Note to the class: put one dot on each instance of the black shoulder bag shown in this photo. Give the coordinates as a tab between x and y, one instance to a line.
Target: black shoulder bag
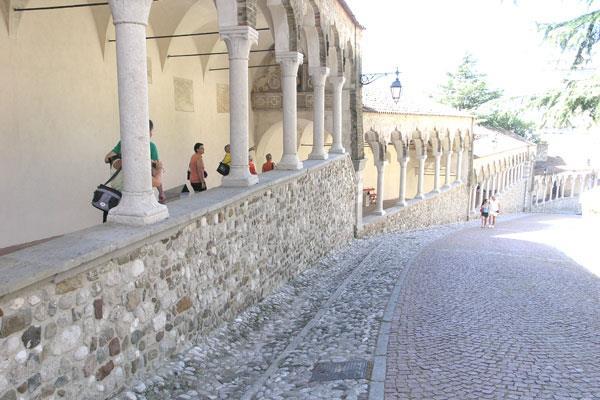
106	197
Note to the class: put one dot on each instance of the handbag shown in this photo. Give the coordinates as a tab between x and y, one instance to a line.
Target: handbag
223	169
105	197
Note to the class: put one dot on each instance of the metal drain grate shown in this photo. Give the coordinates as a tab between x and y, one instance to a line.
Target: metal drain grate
333	371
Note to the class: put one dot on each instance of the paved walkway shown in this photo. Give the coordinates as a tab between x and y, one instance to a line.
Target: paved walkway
500	314
454	312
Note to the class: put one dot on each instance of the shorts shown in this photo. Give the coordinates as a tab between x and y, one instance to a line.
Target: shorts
485	215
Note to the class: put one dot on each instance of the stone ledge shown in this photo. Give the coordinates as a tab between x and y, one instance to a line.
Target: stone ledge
391	211
75	252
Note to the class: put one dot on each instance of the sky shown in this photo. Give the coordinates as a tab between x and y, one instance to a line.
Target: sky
427	38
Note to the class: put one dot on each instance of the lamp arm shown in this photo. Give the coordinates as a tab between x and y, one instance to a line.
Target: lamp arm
366	79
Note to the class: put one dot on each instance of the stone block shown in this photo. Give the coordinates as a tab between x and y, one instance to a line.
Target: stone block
104	370
183	304
31	337
69	285
114	347
15	322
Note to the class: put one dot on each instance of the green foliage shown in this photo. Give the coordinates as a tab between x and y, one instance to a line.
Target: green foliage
580	34
509	121
565	106
466	88
578	98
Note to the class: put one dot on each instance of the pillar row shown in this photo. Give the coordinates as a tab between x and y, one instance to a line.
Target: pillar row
380	165
436	175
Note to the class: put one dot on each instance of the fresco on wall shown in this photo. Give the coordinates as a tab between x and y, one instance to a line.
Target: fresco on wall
222	98
184	94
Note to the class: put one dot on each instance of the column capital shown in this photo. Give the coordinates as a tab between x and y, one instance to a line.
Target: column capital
422	157
446	152
130	11
437	154
289	61
318	75
337	80
239	40
403	160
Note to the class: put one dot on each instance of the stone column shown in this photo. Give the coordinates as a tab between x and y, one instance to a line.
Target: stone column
380	165
138	204
581	184
572	187
318	77
544	190
421	181
459	155
473	199
402	195
239	40
486	194
561	192
289	62
338	84
448	169
436	176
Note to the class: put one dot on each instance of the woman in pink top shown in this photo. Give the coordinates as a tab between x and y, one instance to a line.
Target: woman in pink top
196	168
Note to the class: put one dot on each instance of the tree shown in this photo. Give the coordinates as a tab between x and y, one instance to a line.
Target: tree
509	121
581	34
466	88
577	99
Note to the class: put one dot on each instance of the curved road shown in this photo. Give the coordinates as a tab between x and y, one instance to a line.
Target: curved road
505	313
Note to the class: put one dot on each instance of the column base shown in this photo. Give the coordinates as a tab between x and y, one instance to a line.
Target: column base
437	190
290	162
420	197
379	212
239	181
318	156
337	150
401	203
138	209
445	187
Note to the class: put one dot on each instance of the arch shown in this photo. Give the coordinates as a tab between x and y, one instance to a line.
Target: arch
335	59
283	23
315	39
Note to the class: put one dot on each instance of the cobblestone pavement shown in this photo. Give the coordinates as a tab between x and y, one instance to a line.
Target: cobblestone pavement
500	314
330	313
453	312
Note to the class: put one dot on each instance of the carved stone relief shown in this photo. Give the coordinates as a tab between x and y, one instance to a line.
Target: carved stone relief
184	94
222	98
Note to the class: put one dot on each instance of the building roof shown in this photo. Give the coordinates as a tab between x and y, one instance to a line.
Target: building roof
350	14
492	141
377	98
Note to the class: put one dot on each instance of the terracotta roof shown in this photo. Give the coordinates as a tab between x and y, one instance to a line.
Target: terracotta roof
377	98
491	141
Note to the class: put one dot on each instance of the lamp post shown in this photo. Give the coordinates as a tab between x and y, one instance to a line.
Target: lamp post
395	87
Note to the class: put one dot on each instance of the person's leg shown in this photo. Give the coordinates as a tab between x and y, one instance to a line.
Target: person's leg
104	216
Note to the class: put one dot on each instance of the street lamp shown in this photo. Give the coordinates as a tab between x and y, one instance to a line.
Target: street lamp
395	88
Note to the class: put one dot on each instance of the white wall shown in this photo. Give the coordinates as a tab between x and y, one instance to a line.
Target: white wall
59	117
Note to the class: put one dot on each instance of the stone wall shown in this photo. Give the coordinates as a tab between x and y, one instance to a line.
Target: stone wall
443	208
513	199
85	333
566	205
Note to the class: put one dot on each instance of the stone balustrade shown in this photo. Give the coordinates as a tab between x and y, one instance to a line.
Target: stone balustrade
88	312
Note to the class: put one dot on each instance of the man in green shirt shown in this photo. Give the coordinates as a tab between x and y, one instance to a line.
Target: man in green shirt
156	166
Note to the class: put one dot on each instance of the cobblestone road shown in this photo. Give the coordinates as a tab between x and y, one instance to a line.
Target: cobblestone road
454	312
500	314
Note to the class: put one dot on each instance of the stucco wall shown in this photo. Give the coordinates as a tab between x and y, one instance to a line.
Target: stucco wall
446	207
61	114
94	327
